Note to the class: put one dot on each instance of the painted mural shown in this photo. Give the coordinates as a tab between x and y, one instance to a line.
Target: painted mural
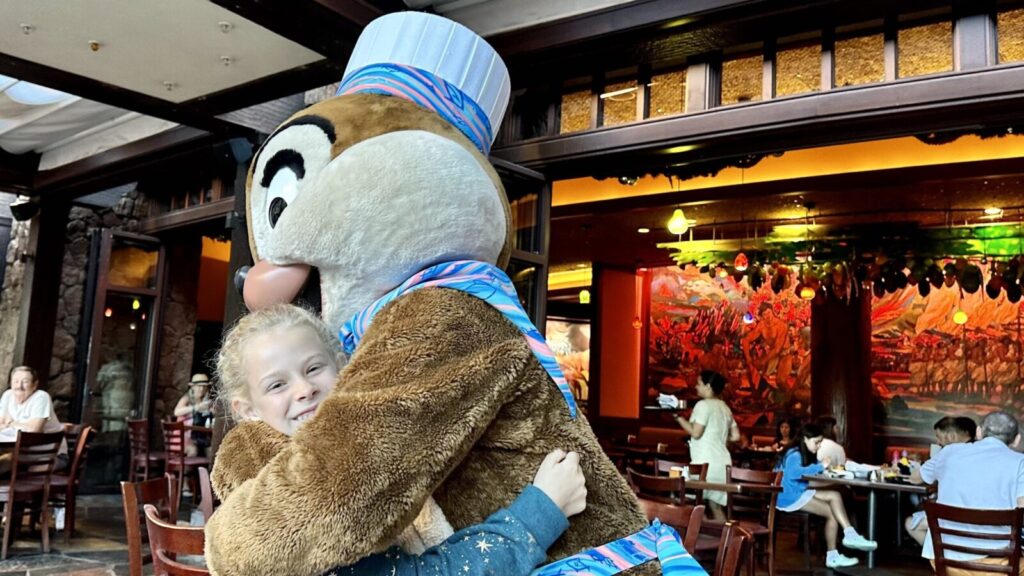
927	365
757	339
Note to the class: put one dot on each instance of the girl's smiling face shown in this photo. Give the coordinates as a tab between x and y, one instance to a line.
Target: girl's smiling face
289	371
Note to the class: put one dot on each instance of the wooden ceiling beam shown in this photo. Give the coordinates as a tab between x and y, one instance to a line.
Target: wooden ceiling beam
102	92
119	165
17	171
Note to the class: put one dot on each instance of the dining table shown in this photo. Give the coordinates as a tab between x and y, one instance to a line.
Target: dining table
873	488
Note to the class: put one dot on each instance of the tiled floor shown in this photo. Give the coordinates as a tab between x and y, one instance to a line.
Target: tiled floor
99	549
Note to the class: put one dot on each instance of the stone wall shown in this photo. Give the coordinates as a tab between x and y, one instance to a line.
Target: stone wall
177	340
81	222
10	297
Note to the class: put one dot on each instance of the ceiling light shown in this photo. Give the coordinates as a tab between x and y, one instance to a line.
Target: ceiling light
618	92
643	230
678	224
584	296
994	211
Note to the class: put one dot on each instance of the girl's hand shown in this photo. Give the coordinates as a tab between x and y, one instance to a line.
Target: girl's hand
826	462
561	479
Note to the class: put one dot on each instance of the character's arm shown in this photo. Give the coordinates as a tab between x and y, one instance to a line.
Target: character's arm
511	542
428	378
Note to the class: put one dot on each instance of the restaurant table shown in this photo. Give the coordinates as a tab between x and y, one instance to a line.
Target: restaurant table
872	488
764	459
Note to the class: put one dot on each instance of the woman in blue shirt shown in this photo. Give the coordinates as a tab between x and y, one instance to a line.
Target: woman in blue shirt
799	461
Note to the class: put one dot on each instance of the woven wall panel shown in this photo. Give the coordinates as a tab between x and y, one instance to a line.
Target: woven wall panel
798	70
925	49
620	109
860	60
667	94
575	112
1010	34
741	79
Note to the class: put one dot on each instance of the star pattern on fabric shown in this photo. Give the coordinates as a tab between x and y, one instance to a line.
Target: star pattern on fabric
483	545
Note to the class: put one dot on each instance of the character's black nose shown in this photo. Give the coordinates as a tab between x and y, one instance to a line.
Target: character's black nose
240	275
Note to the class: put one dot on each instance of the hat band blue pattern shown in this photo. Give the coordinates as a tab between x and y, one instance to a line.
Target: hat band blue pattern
427	90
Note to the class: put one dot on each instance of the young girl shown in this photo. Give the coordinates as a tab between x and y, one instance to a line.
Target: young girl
278	364
801	460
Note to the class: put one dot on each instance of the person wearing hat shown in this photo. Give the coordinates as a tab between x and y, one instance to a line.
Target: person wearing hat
195	408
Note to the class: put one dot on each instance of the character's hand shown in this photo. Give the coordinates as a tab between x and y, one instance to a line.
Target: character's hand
561	479
826	462
668	401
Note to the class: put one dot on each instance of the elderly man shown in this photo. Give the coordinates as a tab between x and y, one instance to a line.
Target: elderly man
999	487
948	430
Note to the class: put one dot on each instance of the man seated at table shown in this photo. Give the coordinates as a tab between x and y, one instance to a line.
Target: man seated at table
983	475
948	430
25	407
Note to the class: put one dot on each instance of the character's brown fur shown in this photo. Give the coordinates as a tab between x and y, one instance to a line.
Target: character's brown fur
442	397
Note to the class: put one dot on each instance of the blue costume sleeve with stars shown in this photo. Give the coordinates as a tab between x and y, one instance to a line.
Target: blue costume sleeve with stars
511	542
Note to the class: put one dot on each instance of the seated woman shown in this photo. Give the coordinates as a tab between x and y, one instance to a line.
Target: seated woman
278	364
195	408
784	432
799	461
830	449
25	407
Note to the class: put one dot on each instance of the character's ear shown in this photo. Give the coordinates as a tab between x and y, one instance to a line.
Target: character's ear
244	409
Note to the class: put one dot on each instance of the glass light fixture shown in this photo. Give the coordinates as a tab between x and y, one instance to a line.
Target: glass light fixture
807	293
741	262
960	317
584	296
108	312
136	304
637	323
748	318
678	224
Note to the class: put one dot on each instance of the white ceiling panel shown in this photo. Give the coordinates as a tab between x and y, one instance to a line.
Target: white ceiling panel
174	50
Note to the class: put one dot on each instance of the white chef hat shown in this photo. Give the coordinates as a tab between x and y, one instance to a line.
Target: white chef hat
436	63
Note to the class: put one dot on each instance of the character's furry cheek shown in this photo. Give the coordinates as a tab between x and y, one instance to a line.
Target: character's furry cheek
289	160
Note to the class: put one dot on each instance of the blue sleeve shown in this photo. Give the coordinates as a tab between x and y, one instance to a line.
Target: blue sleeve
792	467
511	542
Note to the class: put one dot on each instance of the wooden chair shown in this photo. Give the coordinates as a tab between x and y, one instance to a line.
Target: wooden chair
207	503
755	511
177	463
31	467
64	485
1011	551
142	457
732	549
159	492
694	472
167	541
657	488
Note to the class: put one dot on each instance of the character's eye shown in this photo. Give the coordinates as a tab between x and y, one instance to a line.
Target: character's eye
282	190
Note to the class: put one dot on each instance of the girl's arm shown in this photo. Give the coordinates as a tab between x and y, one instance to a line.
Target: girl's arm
793	468
511	542
184	407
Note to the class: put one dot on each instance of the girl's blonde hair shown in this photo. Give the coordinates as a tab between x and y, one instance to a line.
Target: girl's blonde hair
231	375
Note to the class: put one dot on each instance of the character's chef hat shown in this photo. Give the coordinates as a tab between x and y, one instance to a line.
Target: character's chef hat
436	63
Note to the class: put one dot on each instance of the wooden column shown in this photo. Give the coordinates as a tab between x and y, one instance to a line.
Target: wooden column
241	255
41	288
841	369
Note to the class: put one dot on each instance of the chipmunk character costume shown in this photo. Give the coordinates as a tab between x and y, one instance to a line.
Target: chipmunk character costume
449	392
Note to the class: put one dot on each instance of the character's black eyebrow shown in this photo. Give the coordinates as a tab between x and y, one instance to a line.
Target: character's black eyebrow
312	119
283	158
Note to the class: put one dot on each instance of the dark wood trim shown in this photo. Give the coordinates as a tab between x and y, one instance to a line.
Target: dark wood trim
17	171
849	181
41	288
614	20
93	89
912	106
268	88
120	164
187	216
329	27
